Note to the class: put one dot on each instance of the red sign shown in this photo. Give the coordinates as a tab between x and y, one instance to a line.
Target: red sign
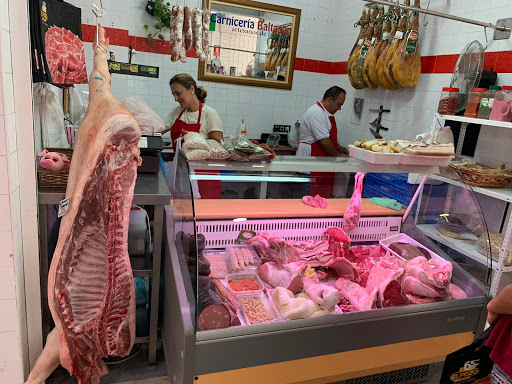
216	50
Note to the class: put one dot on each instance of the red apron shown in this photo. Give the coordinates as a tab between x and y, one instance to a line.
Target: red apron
209	189
324	182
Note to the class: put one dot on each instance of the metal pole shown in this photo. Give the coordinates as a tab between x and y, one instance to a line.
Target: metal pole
438	14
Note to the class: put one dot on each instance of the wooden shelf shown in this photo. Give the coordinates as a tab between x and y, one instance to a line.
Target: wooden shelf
281	208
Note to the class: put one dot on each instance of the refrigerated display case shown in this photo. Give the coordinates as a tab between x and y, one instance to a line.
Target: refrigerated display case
352	339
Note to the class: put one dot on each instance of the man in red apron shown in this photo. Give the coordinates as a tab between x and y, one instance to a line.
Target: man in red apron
319	137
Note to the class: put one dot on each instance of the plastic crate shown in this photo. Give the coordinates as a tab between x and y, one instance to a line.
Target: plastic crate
401	193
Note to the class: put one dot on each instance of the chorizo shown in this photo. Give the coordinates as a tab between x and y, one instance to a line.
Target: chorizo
206	32
187	28
197	33
172	40
177	25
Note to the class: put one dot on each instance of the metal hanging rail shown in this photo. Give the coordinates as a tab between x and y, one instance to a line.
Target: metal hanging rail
443	15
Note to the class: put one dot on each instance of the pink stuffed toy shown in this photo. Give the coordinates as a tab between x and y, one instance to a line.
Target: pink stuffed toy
53	160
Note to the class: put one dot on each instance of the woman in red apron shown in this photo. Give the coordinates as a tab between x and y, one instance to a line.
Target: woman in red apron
191	99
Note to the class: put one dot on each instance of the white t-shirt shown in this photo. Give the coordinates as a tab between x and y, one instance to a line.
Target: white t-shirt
315	125
210	120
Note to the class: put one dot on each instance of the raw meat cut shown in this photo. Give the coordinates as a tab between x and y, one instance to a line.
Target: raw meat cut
315	202
277	276
381	61
370	62
371	56
296	307
358	296
418	288
436	274
65	56
339	242
322	294
393	296
345	305
341	267
321	259
405	66
399	36
380	278
456	292
309	248
90	286
413	299
353	212
271	248
409	251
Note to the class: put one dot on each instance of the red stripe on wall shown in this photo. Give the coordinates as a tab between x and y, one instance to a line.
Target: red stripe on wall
498	61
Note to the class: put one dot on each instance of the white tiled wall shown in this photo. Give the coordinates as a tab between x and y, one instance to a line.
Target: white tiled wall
412	110
12	296
259	107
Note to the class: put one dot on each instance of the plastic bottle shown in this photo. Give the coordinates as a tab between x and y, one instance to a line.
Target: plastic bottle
474	102
501	107
243	128
487	102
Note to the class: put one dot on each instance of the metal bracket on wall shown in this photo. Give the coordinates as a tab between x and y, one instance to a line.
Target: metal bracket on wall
503	35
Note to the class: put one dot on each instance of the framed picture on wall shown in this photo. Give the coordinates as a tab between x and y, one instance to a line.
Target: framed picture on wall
252	40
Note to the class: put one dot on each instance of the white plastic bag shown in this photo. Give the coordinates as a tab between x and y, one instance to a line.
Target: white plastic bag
148	120
77	105
217	151
194	140
52	118
441	135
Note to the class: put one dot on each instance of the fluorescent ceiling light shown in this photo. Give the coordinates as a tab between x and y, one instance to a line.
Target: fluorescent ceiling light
251	178
240	219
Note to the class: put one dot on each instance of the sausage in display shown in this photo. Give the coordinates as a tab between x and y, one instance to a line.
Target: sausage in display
187	28
176	32
206	32
197	33
215	316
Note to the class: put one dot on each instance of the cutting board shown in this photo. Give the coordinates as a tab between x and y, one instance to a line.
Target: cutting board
281	208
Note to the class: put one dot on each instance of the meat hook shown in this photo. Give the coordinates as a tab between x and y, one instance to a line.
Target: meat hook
425	17
98	12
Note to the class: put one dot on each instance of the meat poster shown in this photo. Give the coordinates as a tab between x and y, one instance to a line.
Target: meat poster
57	49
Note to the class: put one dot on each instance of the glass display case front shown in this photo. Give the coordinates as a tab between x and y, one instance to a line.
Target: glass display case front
372	259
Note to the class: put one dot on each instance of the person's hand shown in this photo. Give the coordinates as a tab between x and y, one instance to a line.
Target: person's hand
492	317
343	151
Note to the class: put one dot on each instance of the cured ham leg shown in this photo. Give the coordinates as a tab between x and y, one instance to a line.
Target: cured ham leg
355	70
381	62
399	36
90	286
356	49
370	62
371	56
406	63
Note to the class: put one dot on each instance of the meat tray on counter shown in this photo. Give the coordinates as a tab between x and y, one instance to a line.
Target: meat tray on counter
289	280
